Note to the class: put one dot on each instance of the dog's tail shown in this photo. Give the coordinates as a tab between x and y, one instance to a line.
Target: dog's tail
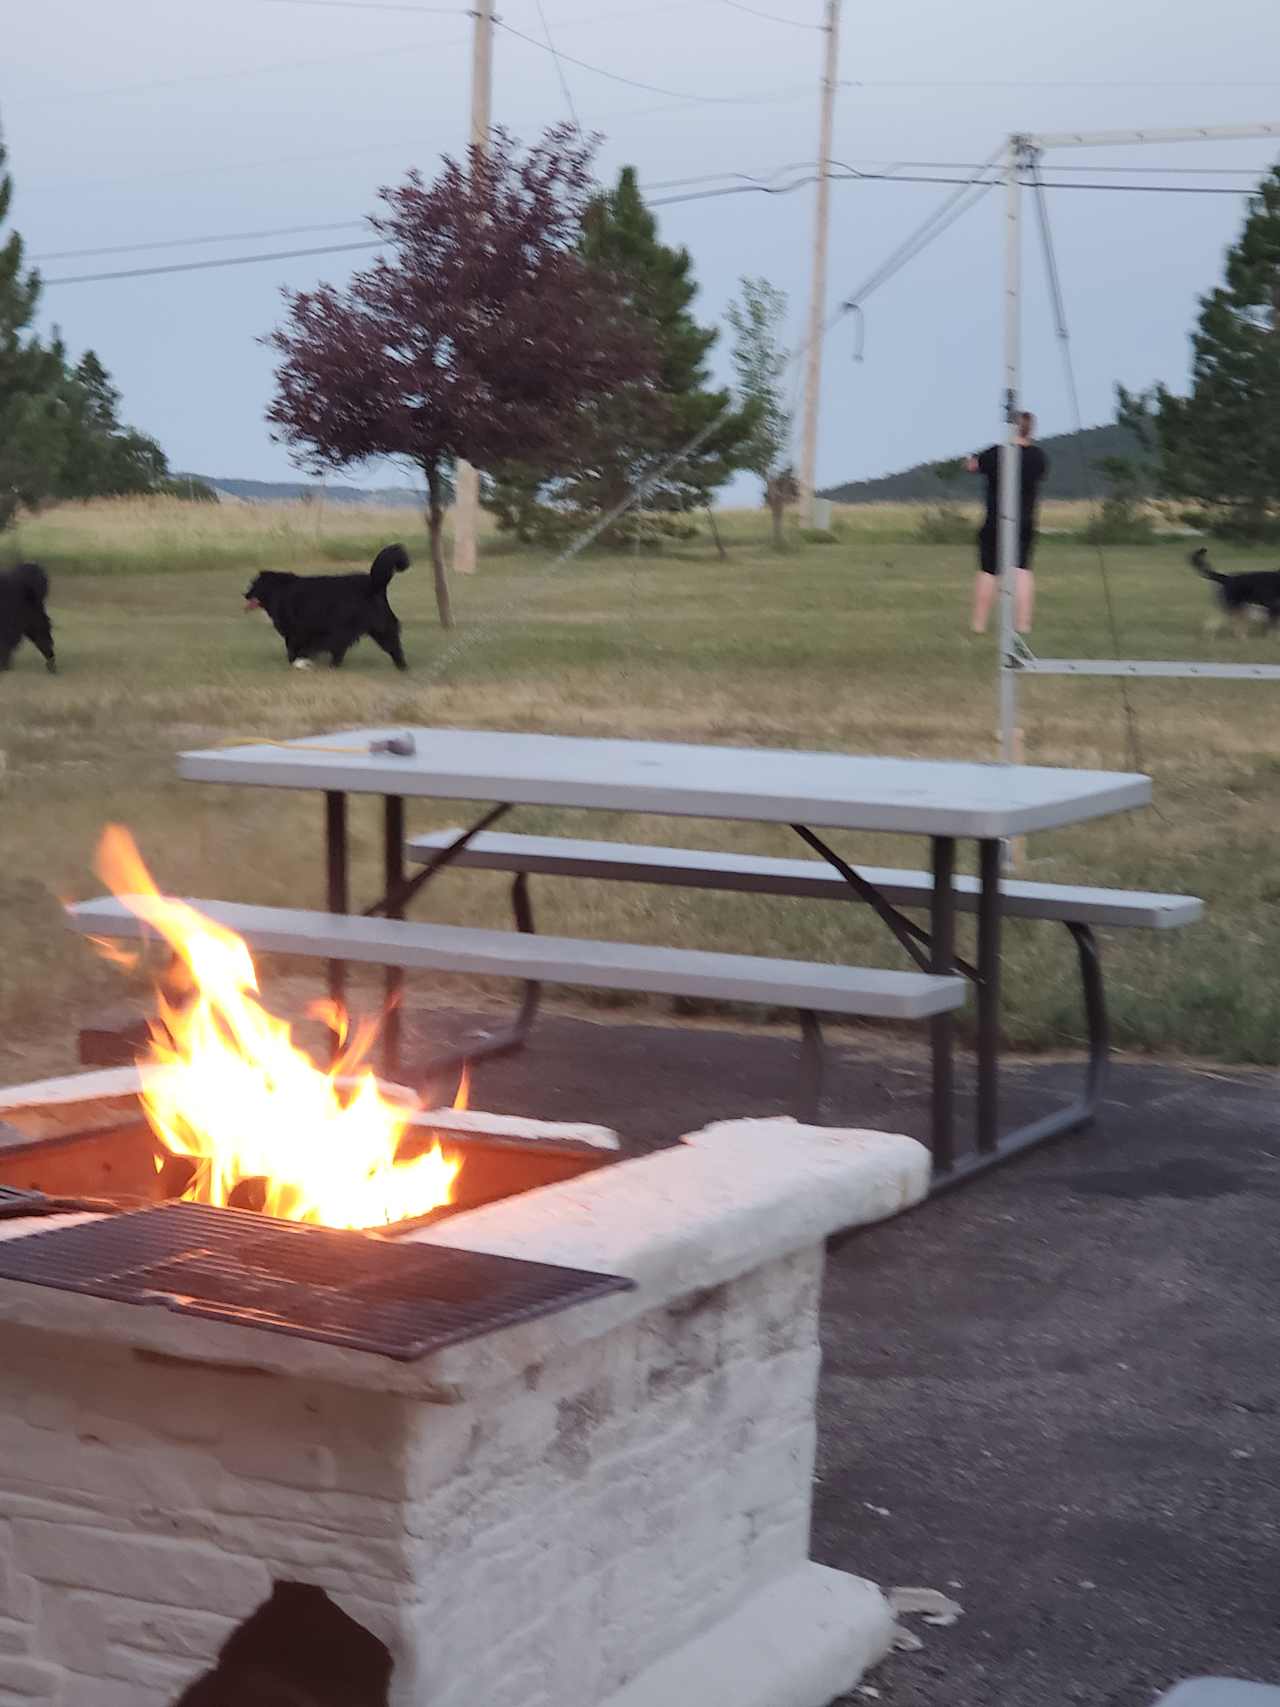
1200	563
32	581
391	560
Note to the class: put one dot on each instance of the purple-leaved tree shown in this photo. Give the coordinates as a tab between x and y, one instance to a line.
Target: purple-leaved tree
480	335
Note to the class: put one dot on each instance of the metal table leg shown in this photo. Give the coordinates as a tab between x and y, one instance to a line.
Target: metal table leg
1082	1110
813	1062
988	981
338	892
509	1038
393	877
942	935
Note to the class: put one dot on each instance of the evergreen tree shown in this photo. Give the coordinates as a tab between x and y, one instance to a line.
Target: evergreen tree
1219	447
31	414
60	431
103	458
626	436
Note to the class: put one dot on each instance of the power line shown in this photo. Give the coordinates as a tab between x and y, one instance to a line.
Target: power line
635	83
564	81
242	71
376	6
772	189
190	242
659	201
773	17
969	191
351	224
1132	171
225	261
1023	83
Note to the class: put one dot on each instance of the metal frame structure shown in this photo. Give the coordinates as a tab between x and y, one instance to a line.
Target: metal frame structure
1015	657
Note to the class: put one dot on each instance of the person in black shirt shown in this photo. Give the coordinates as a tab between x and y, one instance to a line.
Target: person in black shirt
1035	465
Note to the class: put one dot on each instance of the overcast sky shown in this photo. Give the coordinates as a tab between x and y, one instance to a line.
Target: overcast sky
145	121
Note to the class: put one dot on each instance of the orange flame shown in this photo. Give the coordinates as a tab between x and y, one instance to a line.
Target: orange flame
225	1083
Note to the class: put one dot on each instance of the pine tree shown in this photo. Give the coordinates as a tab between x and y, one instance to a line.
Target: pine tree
627	436
102	457
32	421
1219	447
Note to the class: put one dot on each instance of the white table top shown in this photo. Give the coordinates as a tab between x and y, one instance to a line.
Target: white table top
754	785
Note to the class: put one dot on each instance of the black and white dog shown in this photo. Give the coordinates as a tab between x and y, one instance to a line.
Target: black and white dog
1238	595
324	615
23	616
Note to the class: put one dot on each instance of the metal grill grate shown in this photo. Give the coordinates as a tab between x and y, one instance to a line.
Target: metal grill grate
344	1289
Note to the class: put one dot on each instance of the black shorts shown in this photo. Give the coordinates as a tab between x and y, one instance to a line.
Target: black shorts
989	547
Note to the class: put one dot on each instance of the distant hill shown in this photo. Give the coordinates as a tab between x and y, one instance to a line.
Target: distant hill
1071	473
292	492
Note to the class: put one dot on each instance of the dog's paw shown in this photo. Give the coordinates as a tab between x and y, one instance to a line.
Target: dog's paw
302	663
51	667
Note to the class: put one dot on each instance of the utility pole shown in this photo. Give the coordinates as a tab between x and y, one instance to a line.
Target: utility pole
821	227
466	497
1010	473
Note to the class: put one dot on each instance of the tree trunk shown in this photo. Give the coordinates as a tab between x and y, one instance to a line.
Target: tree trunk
715	534
435	528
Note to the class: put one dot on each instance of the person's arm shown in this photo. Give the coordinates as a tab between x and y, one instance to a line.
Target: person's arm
987	462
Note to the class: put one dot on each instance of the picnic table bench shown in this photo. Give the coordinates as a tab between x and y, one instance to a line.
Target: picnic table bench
809	989
1080	908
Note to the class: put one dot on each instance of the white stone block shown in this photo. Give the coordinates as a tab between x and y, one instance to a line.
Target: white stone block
27	1680
81	1691
801	1642
171	1573
72	1629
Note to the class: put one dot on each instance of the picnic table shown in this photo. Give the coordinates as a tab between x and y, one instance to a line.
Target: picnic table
814	793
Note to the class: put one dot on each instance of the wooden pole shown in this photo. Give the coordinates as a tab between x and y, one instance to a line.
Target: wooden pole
818	286
466	496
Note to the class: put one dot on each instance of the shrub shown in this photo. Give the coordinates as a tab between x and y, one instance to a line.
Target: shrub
1118	522
944	524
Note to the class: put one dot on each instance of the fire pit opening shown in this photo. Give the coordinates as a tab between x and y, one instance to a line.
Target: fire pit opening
297	1650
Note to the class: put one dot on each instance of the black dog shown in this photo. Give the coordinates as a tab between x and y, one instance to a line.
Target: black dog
22	614
1255	589
320	614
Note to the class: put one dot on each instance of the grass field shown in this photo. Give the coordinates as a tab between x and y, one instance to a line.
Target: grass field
859	646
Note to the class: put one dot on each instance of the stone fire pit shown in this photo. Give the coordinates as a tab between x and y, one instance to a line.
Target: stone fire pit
608	1507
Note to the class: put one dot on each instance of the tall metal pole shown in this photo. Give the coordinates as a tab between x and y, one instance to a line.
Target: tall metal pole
1010	451
466	500
818	291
